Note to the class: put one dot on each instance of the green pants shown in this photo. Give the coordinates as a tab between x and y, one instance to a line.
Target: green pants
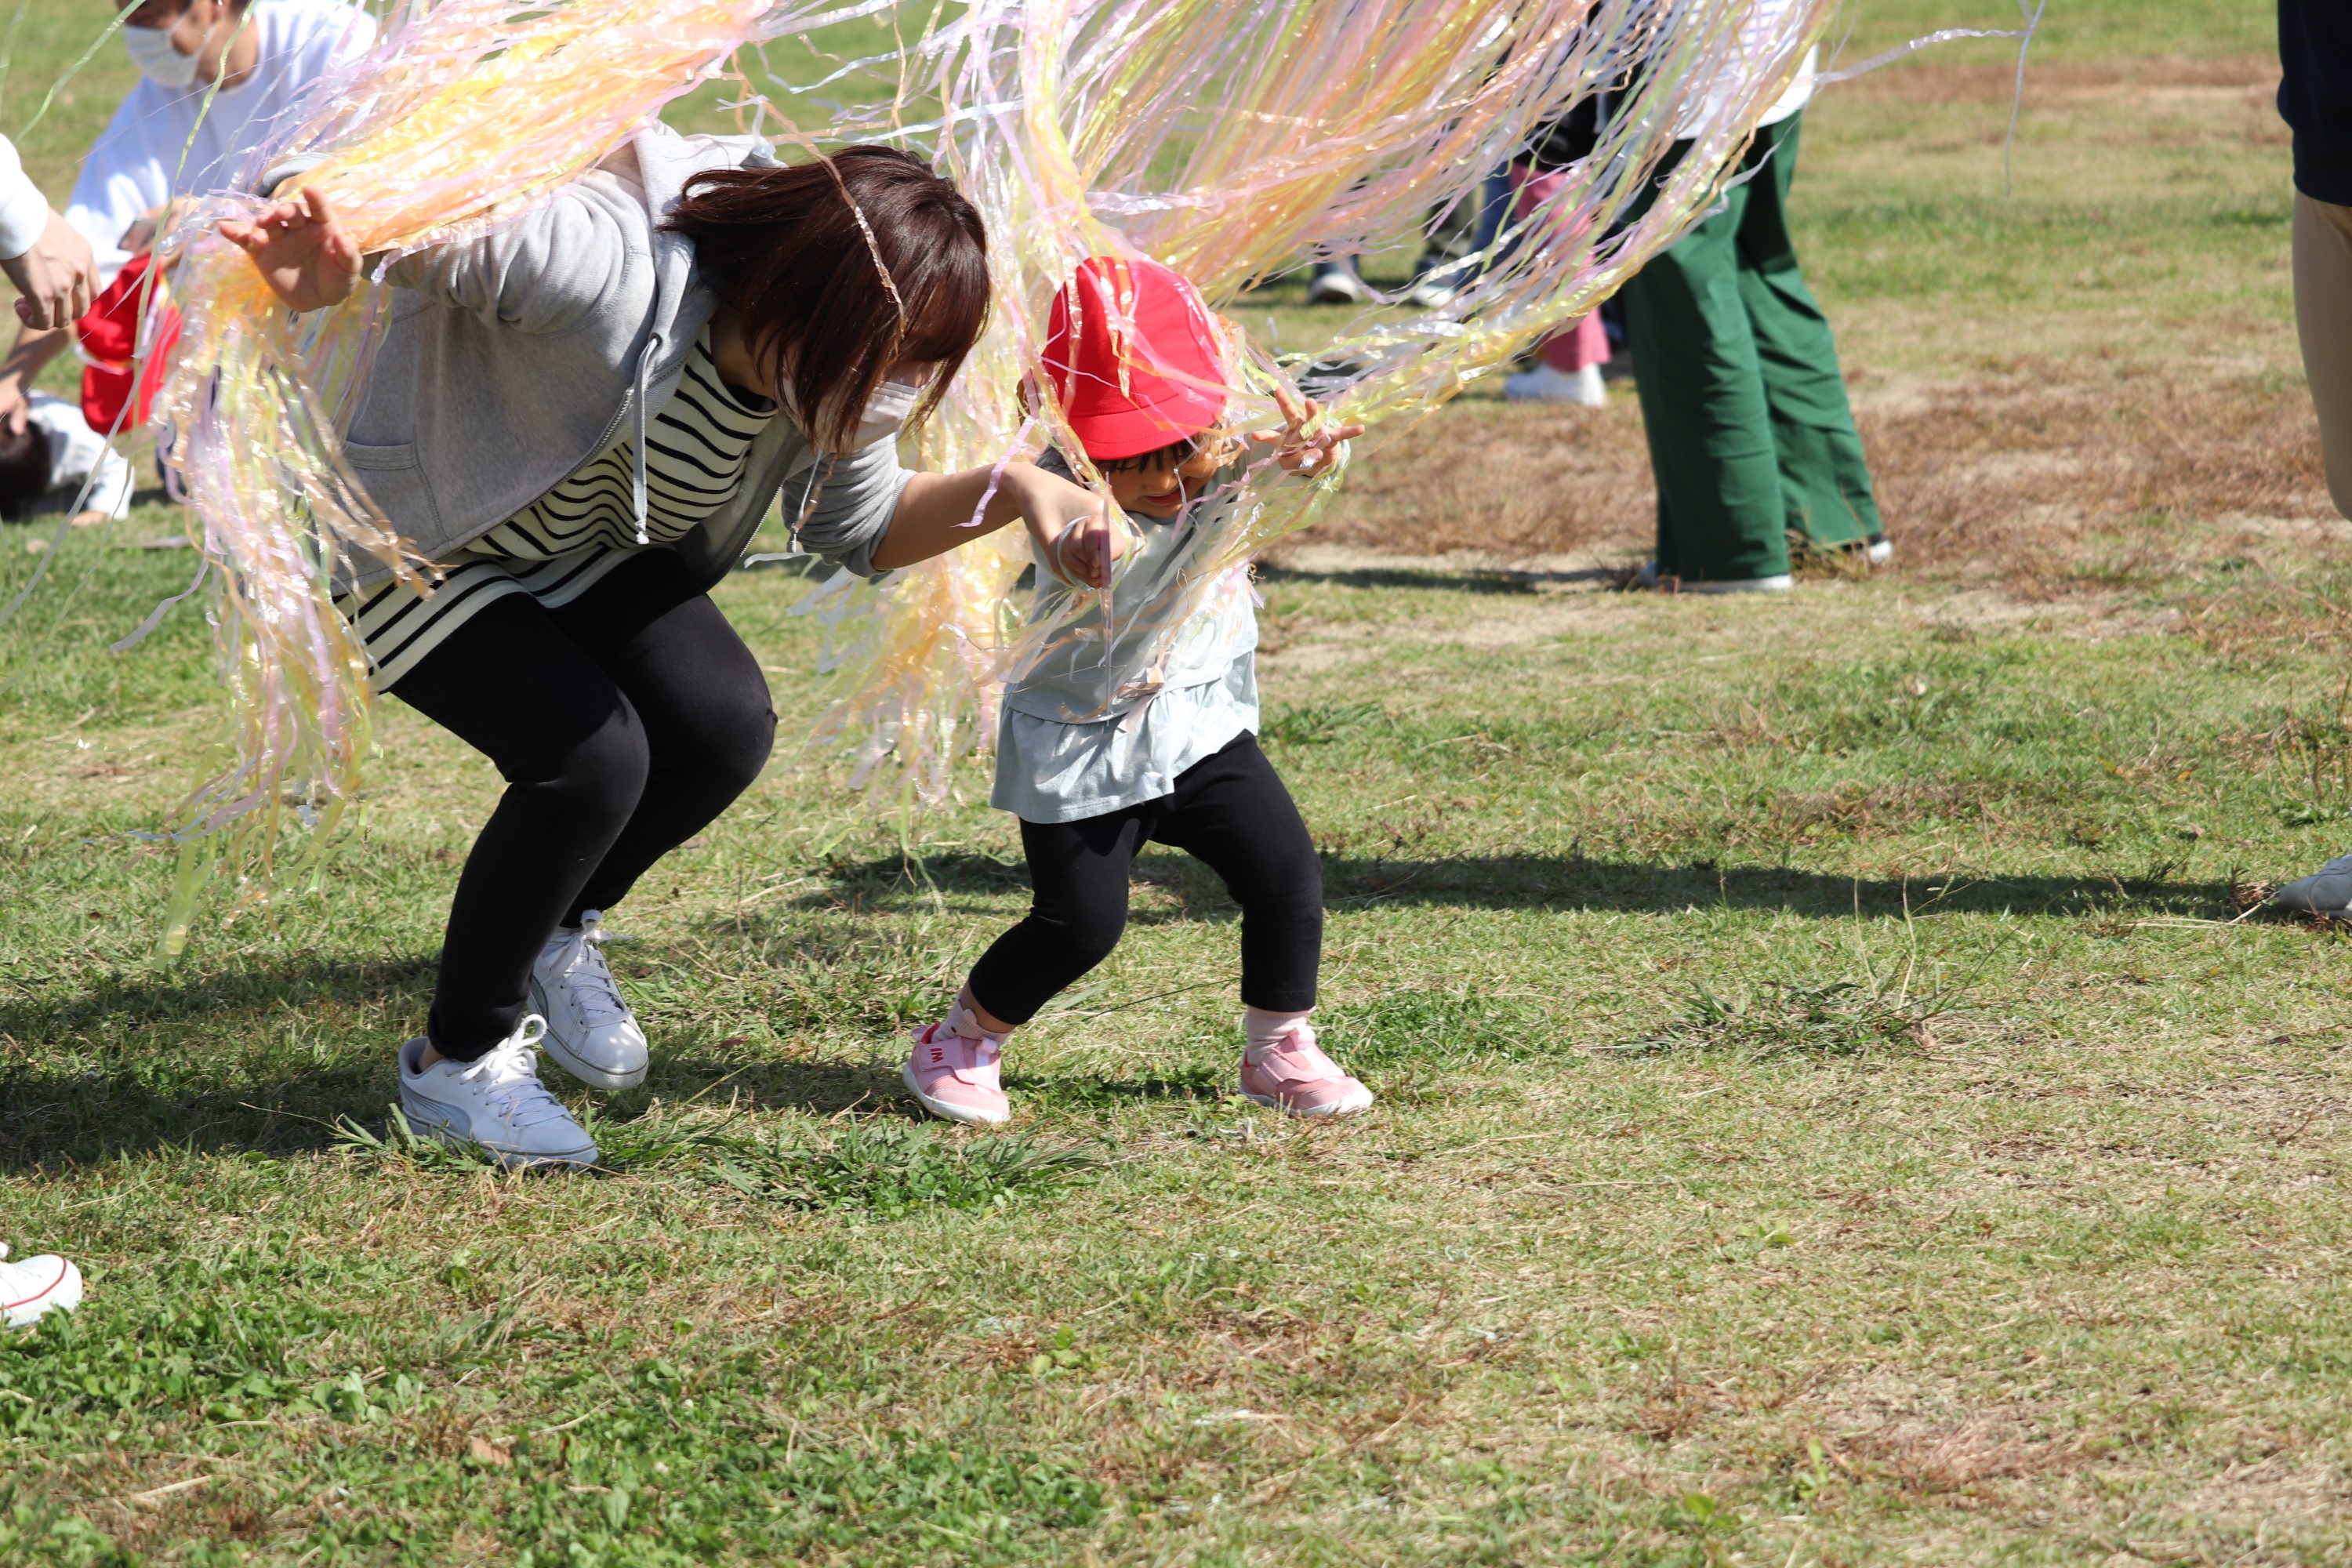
1751	438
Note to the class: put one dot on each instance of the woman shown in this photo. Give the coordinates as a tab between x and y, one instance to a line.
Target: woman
582	419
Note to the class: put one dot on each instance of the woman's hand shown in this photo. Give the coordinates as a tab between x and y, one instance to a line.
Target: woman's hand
1294	449
301	250
1070	523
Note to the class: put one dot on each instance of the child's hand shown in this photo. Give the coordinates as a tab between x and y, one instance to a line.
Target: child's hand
1070	523
301	250
1296	451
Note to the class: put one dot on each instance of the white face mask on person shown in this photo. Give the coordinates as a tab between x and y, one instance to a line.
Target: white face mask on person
887	410
152	51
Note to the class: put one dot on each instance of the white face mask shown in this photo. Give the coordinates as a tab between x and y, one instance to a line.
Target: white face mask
152	51
885	411
892	402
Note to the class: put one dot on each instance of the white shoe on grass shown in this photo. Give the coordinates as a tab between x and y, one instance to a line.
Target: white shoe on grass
497	1102
591	1033
2326	892
36	1286
1336	283
1649	576
1546	384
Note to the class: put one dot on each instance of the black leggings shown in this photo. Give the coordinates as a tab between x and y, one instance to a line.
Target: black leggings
1229	810
623	723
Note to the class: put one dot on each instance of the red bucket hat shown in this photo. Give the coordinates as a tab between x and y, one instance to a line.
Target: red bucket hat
1144	369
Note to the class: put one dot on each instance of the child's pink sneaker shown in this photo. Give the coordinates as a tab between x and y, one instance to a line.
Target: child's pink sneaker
1293	1075
958	1076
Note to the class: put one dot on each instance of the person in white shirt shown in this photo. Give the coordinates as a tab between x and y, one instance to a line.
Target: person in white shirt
56	459
218	79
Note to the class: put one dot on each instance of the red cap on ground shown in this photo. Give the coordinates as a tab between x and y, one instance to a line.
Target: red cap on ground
1144	369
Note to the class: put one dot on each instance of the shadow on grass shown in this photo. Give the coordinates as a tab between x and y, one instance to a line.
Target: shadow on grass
1476	580
1567	883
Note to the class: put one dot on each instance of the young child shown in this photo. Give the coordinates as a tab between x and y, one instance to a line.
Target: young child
1094	774
43	466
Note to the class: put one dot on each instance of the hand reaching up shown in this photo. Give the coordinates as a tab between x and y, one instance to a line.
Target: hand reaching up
1294	449
301	250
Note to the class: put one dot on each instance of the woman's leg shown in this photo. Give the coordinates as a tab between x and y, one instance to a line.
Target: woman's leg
1077	909
697	690
1232	811
511	684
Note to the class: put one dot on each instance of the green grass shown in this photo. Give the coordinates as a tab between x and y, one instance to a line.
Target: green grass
1830	1111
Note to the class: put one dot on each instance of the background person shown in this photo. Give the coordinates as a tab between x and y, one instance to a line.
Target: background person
620	386
2316	99
1752	434
175	135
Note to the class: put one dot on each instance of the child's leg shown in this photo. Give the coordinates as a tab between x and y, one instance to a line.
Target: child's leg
1232	811
1077	909
1077	875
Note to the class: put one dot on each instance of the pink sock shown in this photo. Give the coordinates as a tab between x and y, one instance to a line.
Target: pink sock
961	1022
1266	1030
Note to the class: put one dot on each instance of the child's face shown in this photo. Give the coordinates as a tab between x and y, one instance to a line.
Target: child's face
1166	488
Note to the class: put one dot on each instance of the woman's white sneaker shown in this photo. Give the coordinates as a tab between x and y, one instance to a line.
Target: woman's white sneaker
496	1101
36	1286
591	1033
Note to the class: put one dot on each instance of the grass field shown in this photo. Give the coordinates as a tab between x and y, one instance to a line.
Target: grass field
1832	1111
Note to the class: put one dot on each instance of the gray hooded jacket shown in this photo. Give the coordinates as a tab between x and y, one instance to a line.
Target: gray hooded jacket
512	360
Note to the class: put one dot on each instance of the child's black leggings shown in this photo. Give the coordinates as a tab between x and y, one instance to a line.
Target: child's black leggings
1231	811
623	723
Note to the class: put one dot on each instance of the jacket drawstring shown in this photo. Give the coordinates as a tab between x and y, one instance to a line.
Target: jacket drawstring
637	477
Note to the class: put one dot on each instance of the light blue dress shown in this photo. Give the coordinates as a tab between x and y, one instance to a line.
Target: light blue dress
1082	734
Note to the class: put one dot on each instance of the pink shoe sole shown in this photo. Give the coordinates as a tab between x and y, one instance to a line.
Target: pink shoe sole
1355	1099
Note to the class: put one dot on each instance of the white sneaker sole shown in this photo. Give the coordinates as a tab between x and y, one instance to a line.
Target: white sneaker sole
447	1125
946	1112
1361	1100
61	1294
561	1053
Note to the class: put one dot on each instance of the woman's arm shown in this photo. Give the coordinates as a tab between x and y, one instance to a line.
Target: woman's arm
542	274
1070	523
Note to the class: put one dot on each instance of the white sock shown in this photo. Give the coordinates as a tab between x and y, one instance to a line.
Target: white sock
961	1022
1266	1030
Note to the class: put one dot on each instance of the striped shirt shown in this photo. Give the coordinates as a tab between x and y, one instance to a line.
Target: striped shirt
564	543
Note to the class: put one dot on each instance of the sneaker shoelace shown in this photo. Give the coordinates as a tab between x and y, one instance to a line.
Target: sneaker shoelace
510	1076
582	965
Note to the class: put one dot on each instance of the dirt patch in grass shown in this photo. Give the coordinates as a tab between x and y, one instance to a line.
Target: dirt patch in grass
2043	480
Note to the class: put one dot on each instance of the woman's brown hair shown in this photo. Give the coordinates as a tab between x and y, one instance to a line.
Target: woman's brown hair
842	268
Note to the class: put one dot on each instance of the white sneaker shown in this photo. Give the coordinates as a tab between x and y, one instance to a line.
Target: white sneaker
591	1033
1546	384
37	1285
2326	892
1336	283
497	1102
1431	295
1880	551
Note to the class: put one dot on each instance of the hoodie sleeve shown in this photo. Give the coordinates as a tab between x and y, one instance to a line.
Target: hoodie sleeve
841	508
546	273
